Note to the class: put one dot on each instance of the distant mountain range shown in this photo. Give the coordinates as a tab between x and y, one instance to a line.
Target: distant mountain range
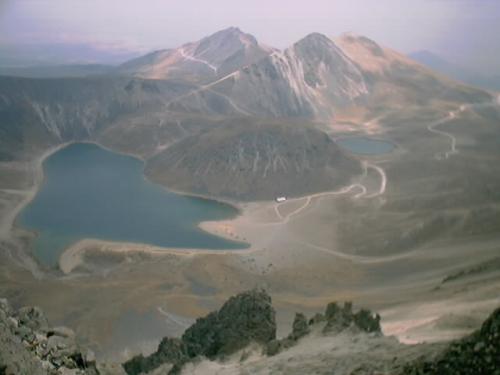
313	78
50	54
233	49
58	71
257	115
437	63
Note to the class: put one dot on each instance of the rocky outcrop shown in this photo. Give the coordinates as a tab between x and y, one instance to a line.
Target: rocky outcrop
335	320
340	340
339	318
170	351
245	318
28	345
478	353
300	328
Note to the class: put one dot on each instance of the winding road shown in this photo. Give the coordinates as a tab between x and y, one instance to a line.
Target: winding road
285	219
195	59
208	87
362	194
359	258
383	184
383	180
453	115
383	177
432	128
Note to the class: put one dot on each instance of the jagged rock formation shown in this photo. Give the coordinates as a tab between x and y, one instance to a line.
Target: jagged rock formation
29	346
338	318
340	340
171	351
478	353
300	328
245	318
335	320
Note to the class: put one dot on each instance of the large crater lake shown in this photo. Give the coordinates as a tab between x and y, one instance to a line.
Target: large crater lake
89	192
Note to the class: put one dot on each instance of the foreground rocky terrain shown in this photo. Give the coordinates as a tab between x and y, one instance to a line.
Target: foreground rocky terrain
240	338
478	353
28	345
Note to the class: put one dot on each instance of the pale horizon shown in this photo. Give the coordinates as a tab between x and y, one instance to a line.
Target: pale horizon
459	30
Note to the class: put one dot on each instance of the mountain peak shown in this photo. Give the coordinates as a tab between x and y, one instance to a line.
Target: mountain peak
214	56
231	34
315	38
232	29
317	44
363	41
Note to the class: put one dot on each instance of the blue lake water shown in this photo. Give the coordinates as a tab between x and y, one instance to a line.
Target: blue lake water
89	192
365	146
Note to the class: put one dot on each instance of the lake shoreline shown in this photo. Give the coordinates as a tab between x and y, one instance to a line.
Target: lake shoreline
233	229
39	178
235	204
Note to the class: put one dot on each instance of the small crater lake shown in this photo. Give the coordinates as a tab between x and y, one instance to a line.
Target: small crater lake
365	146
89	192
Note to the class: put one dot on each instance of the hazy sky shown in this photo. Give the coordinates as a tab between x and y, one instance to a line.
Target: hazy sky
465	30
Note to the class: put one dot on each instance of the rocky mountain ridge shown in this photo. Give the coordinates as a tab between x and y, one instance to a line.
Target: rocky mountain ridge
208	59
317	77
228	84
312	78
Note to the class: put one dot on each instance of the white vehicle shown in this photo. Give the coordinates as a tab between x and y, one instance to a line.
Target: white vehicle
280	199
